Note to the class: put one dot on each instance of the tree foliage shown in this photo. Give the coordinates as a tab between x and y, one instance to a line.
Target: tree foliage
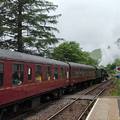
87	59
27	23
71	52
96	55
111	67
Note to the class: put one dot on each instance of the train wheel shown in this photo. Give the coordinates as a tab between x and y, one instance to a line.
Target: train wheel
60	93
3	114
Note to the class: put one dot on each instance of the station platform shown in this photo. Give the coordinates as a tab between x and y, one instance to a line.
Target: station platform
107	108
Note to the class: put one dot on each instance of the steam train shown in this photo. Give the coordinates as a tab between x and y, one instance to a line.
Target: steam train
25	79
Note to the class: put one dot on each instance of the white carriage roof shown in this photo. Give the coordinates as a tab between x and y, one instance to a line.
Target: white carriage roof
8	54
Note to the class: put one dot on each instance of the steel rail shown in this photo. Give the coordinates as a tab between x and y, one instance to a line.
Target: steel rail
92	102
87	108
57	113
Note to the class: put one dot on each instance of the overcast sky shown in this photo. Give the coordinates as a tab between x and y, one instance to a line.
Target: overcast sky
92	23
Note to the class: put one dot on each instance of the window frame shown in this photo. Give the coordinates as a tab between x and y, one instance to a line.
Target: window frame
56	66
62	74
3	81
31	73
41	73
17	63
49	71
48	77
26	66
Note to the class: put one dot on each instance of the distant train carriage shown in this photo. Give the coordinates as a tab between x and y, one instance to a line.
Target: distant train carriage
80	73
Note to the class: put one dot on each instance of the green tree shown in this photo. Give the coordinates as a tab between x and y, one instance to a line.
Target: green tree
71	52
96	55
27	23
67	51
117	62
87	59
111	67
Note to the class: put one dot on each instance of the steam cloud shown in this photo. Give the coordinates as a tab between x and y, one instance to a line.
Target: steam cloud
110	53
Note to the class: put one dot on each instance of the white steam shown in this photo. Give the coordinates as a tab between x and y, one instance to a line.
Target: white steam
110	53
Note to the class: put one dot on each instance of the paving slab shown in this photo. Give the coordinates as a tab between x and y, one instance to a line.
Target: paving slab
107	108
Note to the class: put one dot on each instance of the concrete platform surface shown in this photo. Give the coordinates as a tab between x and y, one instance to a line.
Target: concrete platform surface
105	109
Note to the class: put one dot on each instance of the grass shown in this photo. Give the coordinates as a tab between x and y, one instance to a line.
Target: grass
116	89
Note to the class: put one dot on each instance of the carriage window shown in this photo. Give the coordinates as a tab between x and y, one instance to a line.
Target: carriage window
67	74
18	74
48	73
56	73
38	73
1	74
29	73
62	72
73	73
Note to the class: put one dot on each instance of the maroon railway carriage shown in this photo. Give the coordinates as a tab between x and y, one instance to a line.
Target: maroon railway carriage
81	73
23	76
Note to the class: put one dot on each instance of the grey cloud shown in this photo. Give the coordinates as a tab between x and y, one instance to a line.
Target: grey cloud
92	23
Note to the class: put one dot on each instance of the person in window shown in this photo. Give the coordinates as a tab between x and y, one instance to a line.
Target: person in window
16	79
48	76
38	77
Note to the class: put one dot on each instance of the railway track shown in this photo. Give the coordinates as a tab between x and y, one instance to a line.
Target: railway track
88	108
78	104
60	109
